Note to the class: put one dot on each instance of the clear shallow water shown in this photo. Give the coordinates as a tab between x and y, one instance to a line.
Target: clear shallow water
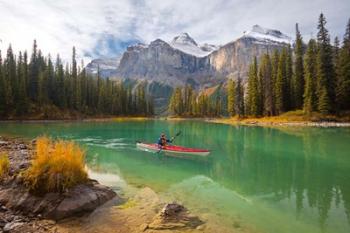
274	180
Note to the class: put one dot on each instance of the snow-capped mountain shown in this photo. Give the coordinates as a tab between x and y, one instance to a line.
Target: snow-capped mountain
267	35
187	44
108	66
184	59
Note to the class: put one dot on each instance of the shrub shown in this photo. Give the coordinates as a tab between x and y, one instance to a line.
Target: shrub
57	166
4	165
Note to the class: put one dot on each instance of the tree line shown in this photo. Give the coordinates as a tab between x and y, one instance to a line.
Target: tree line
314	78
186	102
33	85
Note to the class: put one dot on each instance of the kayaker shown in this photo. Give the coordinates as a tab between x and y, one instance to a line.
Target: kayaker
162	141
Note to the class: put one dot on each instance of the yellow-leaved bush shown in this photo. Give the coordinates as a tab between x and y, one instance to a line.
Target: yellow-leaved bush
57	166
4	165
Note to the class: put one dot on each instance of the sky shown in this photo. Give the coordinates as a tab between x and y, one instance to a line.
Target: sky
104	28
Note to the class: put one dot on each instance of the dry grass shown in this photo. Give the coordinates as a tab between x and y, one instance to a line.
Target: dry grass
297	116
131	118
4	165
57	166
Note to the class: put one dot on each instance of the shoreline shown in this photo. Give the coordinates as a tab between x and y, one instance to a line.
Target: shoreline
267	123
264	121
102	119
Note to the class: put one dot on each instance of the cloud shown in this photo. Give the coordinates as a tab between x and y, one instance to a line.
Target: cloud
101	28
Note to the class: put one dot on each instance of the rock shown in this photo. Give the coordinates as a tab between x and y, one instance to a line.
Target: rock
171	210
12	226
144	227
3	208
22	146
3	143
82	199
174	216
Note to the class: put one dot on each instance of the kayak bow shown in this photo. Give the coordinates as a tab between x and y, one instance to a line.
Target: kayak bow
172	149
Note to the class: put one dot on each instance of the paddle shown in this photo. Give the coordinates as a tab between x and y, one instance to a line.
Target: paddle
173	138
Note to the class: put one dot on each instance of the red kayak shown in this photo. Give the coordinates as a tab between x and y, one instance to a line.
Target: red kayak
173	149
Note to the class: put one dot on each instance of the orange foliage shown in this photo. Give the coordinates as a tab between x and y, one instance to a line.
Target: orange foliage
57	166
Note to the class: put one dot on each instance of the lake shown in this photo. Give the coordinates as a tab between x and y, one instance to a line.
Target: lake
289	179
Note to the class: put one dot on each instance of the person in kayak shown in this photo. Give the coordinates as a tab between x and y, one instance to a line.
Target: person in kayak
162	141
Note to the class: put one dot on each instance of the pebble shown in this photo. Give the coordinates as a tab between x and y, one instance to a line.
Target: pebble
11	226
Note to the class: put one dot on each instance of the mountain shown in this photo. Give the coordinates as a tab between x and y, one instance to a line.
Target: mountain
160	61
183	61
108	66
188	45
266	35
234	57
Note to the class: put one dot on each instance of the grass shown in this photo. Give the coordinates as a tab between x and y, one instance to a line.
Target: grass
56	167
297	116
4	165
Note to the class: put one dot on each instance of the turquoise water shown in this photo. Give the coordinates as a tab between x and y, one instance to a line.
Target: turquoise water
274	180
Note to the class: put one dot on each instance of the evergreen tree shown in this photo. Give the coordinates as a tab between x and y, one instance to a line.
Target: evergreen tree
33	73
274	71
298	81
265	73
74	82
176	102
343	80
231	97
21	105
2	90
288	92
310	99
239	98
253	92
280	83
325	69
188	92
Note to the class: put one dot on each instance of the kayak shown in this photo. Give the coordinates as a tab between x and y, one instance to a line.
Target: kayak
172	149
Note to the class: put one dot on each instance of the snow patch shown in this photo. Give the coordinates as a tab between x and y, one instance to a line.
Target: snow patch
267	35
188	45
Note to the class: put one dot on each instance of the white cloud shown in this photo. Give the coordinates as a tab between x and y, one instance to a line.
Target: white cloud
58	25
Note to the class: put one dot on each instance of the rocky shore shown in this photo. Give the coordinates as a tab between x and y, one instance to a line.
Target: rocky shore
22	211
76	210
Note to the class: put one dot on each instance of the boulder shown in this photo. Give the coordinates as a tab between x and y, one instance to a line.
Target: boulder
81	199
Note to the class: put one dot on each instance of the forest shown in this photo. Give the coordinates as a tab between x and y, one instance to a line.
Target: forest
312	77
38	86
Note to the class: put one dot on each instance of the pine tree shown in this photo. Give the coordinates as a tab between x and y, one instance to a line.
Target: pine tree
21	105
59	98
74	81
325	69
176	102
280	83
2	90
289	101
231	97
298	80
274	71
188	92
239	98
253	92
265	73
343	80
33	73
310	100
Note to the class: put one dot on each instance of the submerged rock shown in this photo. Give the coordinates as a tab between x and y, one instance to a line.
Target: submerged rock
174	216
